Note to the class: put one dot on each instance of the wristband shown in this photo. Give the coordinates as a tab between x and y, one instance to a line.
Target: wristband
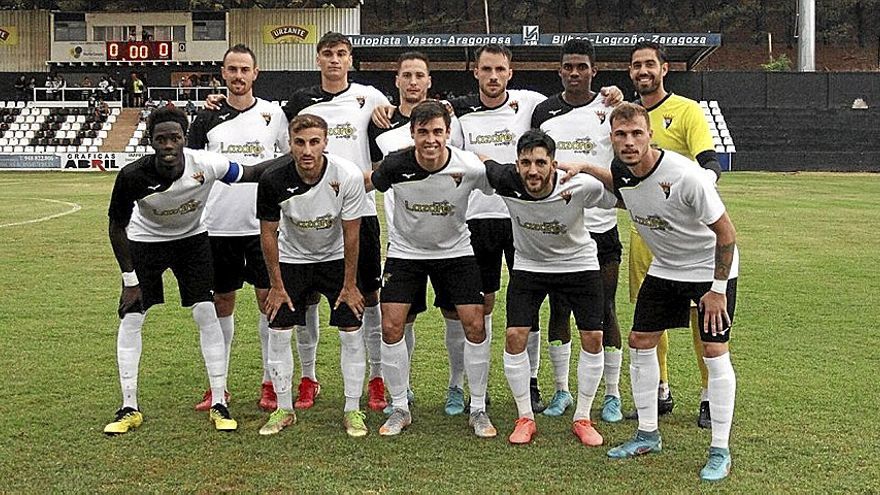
719	286
129	279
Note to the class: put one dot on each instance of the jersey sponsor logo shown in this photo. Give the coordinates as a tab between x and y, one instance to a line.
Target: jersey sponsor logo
551	228
323	222
267	117
251	148
457	178
566	195
601	115
342	131
437	208
667	121
554	112
653	222
335	186
666	187
188	207
199	177
385	278
361	101
515	106
499	138
583	145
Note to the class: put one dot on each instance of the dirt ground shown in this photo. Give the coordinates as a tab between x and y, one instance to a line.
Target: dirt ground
748	57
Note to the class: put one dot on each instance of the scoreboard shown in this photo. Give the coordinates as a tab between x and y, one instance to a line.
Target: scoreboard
137	51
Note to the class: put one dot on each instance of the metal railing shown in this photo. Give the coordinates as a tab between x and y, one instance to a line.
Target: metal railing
174	93
76	95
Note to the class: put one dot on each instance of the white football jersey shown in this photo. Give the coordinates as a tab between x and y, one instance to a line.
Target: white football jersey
156	209
549	233
430	207
494	132
310	215
247	137
671	207
348	115
582	135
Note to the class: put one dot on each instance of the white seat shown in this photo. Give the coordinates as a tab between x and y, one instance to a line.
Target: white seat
30	119
102	134
106	126
137	134
713	104
143	149
19	134
129	149
719	118
133	142
142	126
716	111
81	119
75	126
12	142
714	132
730	148
87	141
50	149
3	141
111	119
115	111
72	149
18	149
39	149
97	142
721	125
19	104
65	126
724	132
719	148
29	134
82	149
44	111
726	141
13	127
92	149
25	111
7	149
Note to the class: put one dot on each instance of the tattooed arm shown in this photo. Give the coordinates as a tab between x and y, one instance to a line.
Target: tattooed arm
713	303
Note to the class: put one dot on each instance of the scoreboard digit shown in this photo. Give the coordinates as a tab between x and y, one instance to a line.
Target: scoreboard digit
138	51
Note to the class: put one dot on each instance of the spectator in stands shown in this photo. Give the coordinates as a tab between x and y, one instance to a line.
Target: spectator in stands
138	88
51	93
191	109
102	111
105	88
31	84
215	85
185	86
20	85
88	89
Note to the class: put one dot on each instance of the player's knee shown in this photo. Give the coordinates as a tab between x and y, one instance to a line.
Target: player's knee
516	340
644	340
224	304
591	341
204	313
611	336
449	314
488	303
371	298
392	332
715	349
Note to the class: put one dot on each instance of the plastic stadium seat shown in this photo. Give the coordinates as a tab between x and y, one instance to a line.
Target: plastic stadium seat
143	149
129	149
102	134
3	142
713	104
138	134
730	148
717	141
719	148
92	149
133	141
142	126
19	134
111	119
115	111
29	134
724	132
25	111
721	125
50	149
7	149
726	141
80	118
18	149
39	149
44	112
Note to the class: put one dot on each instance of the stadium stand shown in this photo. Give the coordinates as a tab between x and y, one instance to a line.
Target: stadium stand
32	128
724	146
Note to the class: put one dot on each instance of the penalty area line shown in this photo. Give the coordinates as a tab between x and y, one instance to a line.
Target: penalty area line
74	207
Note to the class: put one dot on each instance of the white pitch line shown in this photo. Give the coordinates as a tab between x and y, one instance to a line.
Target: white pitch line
74	207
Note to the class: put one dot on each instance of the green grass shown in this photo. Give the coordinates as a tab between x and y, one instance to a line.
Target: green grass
805	349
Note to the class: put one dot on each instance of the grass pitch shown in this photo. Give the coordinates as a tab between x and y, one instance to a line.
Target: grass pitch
805	349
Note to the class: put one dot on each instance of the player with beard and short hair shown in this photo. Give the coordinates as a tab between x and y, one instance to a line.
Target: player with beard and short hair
578	120
310	205
247	130
346	107
555	256
682	219
155	224
433	185
678	125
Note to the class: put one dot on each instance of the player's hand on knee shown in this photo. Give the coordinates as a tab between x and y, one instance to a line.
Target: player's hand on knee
353	298
613	95
382	116
131	301
715	317
276	298
213	102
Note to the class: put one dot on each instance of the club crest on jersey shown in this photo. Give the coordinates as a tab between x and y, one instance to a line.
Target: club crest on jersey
515	106
566	195
667	121
457	178
601	115
199	176
361	101
666	187
335	186
267	117
385	278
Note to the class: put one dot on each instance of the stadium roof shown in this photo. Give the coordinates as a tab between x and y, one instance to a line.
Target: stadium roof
684	48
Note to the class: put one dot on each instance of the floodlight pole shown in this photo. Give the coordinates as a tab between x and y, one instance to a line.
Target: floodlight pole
486	14
806	36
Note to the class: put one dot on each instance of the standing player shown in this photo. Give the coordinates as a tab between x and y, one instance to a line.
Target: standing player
679	214
578	120
413	81
247	130
432	184
310	205
156	224
678	126
554	255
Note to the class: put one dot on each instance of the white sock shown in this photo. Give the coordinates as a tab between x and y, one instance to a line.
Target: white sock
487	323
409	335
722	394
213	349
227	326
476	365
516	369
307	342
279	361
589	375
395	364
373	339
704	395
455	351
644	374
352	360
129	345
534	348
263	326
613	360
560	356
